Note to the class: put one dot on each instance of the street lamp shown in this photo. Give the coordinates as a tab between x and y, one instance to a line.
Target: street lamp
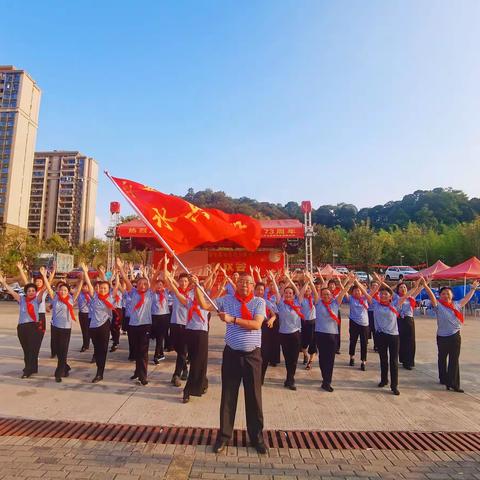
334	256
401	259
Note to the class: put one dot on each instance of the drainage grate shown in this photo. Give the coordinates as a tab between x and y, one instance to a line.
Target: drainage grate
342	440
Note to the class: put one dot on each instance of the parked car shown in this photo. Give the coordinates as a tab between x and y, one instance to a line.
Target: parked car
398	272
4	295
77	273
341	269
363	277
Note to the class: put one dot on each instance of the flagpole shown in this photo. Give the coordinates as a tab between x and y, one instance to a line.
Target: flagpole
165	245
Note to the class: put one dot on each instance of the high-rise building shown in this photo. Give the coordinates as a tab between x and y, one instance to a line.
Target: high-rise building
19	106
63	196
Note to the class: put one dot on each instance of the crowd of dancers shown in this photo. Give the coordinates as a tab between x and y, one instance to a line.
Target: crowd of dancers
292	313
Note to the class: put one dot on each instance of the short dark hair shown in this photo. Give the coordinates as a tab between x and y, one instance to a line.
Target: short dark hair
290	288
332	281
183	275
386	289
399	285
62	284
103	282
29	285
444	288
259	284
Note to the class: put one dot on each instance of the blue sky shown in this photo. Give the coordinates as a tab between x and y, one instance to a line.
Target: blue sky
332	101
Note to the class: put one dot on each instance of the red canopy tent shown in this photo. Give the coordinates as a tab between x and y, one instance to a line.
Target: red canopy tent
329	272
468	269
437	267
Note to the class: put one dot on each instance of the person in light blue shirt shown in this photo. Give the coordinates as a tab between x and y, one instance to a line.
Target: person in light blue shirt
62	317
140	323
358	327
243	314
290	318
449	323
309	348
386	329
327	330
29	328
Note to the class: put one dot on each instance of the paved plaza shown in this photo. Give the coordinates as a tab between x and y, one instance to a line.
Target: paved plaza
357	404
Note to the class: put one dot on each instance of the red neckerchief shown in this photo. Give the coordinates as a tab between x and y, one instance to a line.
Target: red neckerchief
31	309
140	302
330	312
295	308
269	294
336	291
245	311
389	305
377	297
194	308
104	299
310	301
184	292
451	307
87	297
65	301
161	295
362	302
411	300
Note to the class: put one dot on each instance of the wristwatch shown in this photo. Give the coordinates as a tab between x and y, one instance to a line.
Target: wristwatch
234	320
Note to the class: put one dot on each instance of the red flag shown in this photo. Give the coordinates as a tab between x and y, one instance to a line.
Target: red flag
181	224
249	230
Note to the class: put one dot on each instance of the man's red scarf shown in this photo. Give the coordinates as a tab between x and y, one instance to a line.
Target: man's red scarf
391	308
87	297
161	295
194	308
104	299
330	312
246	314
66	301
295	308
451	307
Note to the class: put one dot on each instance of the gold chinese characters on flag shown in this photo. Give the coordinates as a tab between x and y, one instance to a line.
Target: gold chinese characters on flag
184	226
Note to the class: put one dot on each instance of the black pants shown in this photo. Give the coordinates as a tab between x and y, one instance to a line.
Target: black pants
308	336
140	339
449	347
60	343
327	346
290	343
177	333
240	366
270	346
371	327
159	330
406	331
116	325
30	336
124	320
100	336
197	346
84	325
388	347
356	331
131	355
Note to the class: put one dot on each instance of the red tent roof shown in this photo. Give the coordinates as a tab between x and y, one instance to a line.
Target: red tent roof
329	272
276	229
437	267
467	269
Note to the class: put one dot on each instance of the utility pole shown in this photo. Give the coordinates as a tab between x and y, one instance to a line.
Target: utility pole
307	212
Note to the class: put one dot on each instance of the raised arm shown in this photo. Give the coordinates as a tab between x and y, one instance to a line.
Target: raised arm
470	294
368	296
43	273
86	279
21	271
290	281
309	278
128	283
278	297
430	294
344	291
8	288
